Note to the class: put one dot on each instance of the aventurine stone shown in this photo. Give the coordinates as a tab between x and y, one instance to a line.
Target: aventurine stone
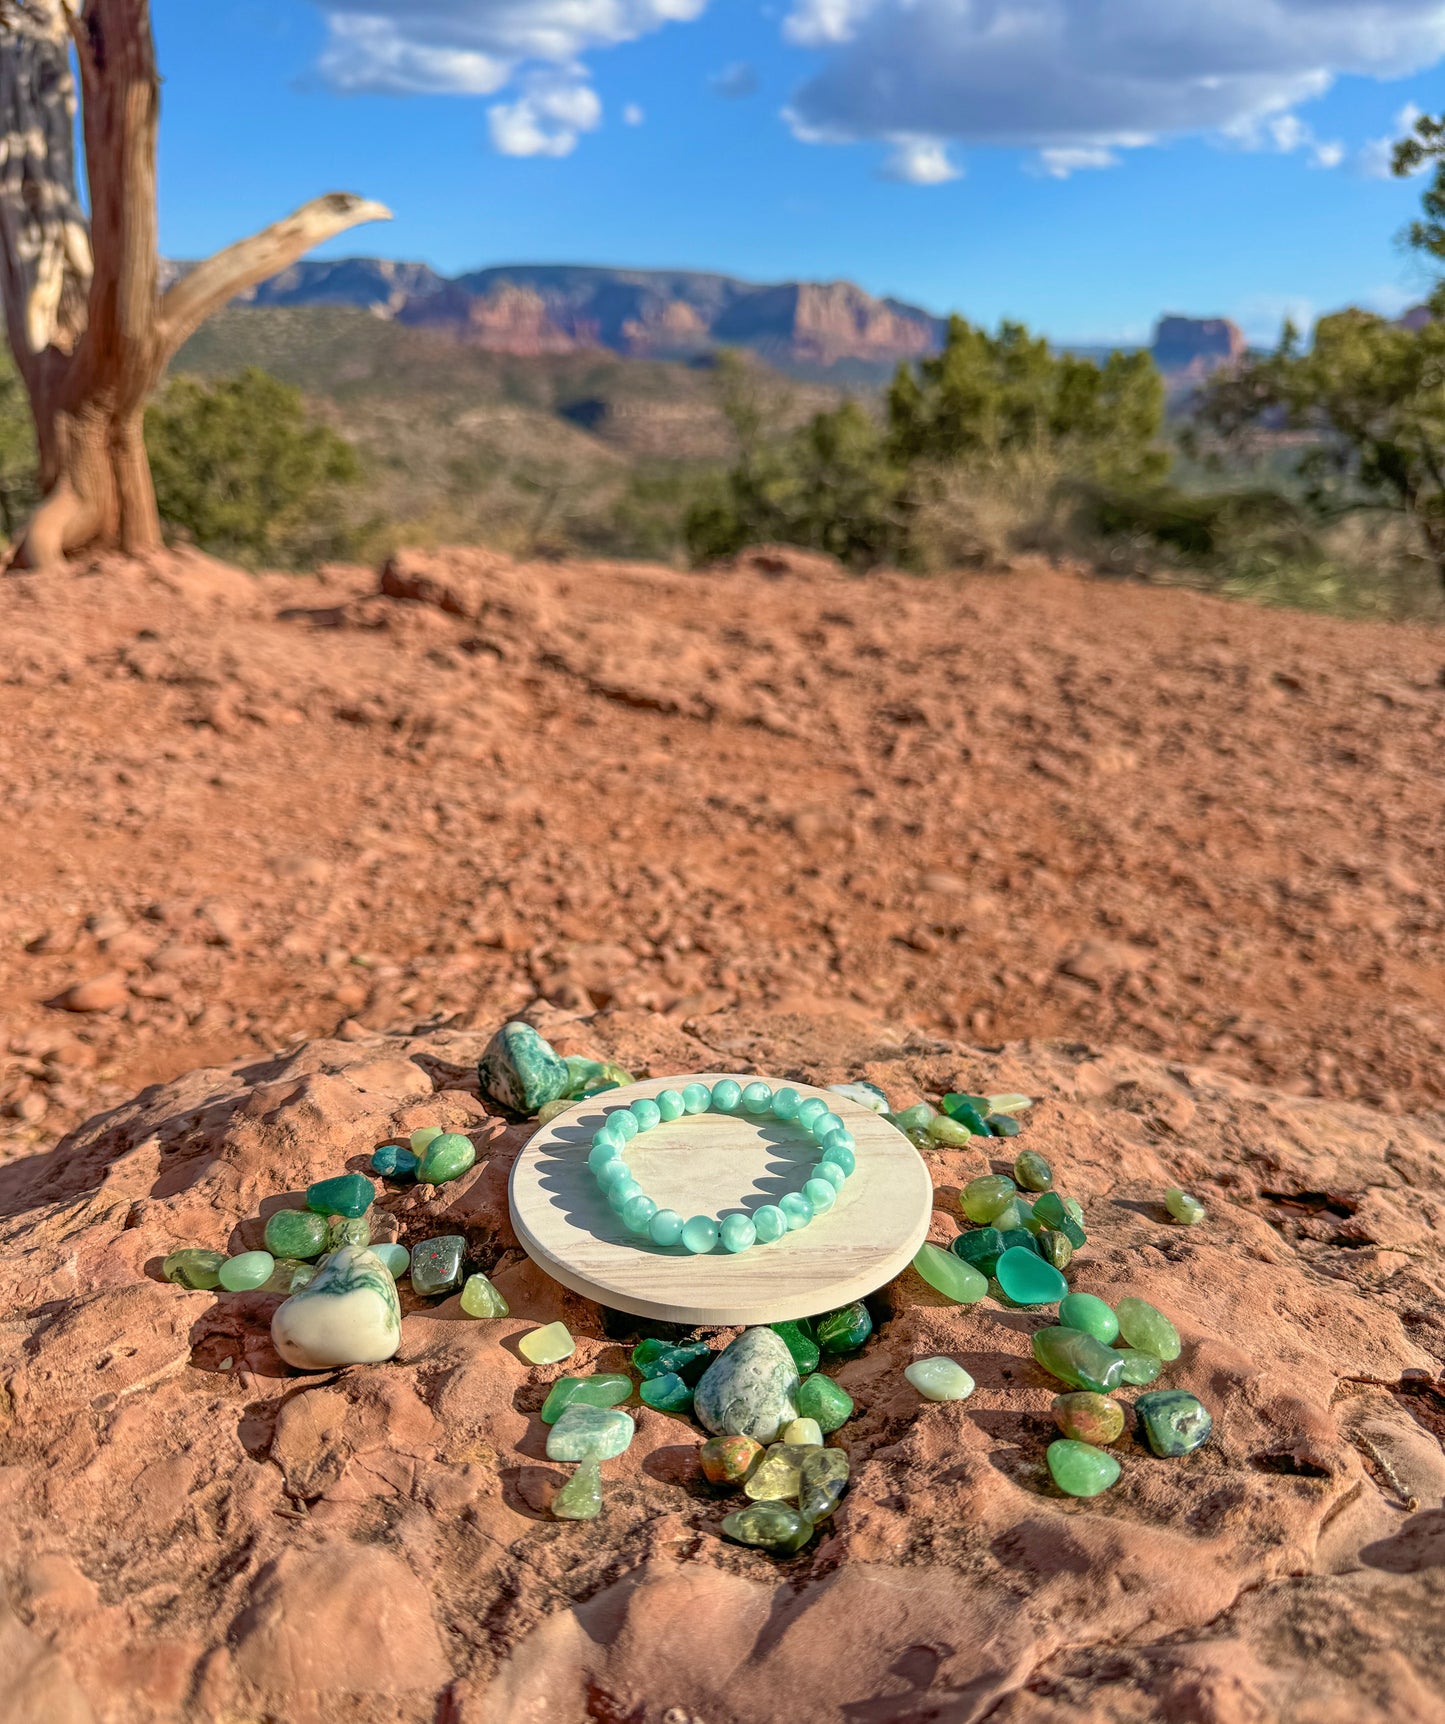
346	1194
545	1346
581	1497
749	1389
686	1359
481	1299
666	1394
1148	1329
729	1460
1031	1171
1027	1279
296	1233
823	1481
447	1157
1089	1418
581	1431
246	1271
1173	1421
800	1343
1088	1312
819	1398
1078	1359
843	1330
436	1264
1079	1469
606	1389
194	1268
772	1526
1184	1208
1139	1368
521	1070
950	1275
939	1379
348	1315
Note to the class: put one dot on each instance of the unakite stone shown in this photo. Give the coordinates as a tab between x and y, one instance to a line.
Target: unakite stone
779	1475
1032	1172
666	1394
396	1258
521	1070
805	1431
246	1271
1088	1312
983	1198
798	1335
481	1299
391	1161
606	1389
824	1478
655	1358
346	1194
1173	1421
348	1315
727	1096
1184	1208
950	1275
821	1399
1139	1368
771	1526
545	1346
1148	1329
939	1379
1002	1124
1078	1359
1054	1247
729	1460
1027	1279
194	1268
581	1497
1081	1470
944	1128
1089	1418
581	1431
447	1157
749	1388
347	1230
980	1246
699	1234
737	1233
797	1209
842	1330
770	1223
865	1094
665	1228
436	1264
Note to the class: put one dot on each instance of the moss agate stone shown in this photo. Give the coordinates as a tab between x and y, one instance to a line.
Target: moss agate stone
843	1330
824	1478
436	1264
296	1233
1173	1421
950	1275
582	1431
985	1197
1186	1210
729	1460
1027	1279
687	1359
821	1399
348	1315
771	1526
606	1389
1139	1368
666	1394
1078	1359
1032	1172
1088	1312
548	1345
447	1157
939	1379
798	1337
194	1268
1148	1329
749	1389
581	1497
347	1194
865	1094
481	1299
521	1070
247	1271
1089	1418
1079	1469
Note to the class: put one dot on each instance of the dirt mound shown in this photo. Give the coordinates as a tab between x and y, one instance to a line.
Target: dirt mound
190	1531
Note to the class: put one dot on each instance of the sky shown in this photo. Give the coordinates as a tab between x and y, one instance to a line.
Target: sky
1080	165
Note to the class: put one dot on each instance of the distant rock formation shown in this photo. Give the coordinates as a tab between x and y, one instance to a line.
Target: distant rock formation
1189	349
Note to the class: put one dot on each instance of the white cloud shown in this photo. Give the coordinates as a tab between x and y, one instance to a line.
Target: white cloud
545	120
632	115
735	81
1376	160
919	162
1062	160
1285	135
372	54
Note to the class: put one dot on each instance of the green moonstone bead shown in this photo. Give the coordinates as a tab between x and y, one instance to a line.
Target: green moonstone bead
665	1228
980	1246
821	1194
447	1157
770	1223
843	1330
1001	1124
581	1497
611	1173
194	1267
670	1104
548	1345
391	1161
985	1197
620	1192
622	1124
1054	1247
603	1390
727	1096
481	1299
939	1379
785	1104
637	1214
830	1171
1148	1329
1027	1279
347	1230
521	1070
696	1097
798	1337
396	1258
1078	1359
729	1460
825	1125
824	1479
1089	1418
1184	1208
757	1098
1087	1312
1081	1470
779	1475
246	1271
581	1431
813	1108
699	1234
1032	1172
797	1209
737	1233
655	1358
347	1194
840	1154
943	1128
666	1394
821	1399
769	1526
950	1275
1140	1369
1173	1421
646	1112
436	1264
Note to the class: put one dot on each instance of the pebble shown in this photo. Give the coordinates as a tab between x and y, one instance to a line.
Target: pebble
1078	1358
666	1394
296	1233
1173	1421
821	1399
348	1315
521	1070
1089	1418
749	1388
939	1379
422	1137
1184	1208
1088	1312
1027	1279
448	1156
772	1526
798	1335
195	1268
246	1271
1139	1368
985	1197
1147	1328
804	1430
1032	1172
944	1128
780	1475
545	1346
436	1264
824	1479
729	1460
843	1330
980	1246
581	1497
605	1389
347	1194
581	1431
481	1299
865	1094
1054	1247
347	1230
656	1358
1079	1469
391	1161
950	1275
396	1258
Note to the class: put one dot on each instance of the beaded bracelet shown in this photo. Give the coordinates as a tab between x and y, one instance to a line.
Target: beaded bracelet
701	1233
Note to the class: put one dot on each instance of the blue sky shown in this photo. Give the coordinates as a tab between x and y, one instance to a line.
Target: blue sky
1082	165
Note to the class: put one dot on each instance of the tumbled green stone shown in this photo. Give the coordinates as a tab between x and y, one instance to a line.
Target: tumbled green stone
1017	1239
436	1264
1081	1470
944	1128
582	1430
800	1343
246	1271
821	1399
581	1497
955	1103
771	1526
1184	1208
778	1475
842	1330
802	1430
939	1379
666	1394
481	1299
1003	1125
950	1275
984	1197
1079	1359
194	1267
552	1110
686	1359
1058	1213
1089	1418
391	1161
606	1389
521	1070
1032	1172
346	1194
980	1246
1139	1368
1027	1279
728	1460
1054	1247
1173	1421
913	1118
282	1278
396	1258
447	1157
582	1074
1088	1312
547	1345
1009	1104
347	1230
1148	1329
422	1136
824	1478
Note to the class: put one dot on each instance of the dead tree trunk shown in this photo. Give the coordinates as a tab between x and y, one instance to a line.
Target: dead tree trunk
90	330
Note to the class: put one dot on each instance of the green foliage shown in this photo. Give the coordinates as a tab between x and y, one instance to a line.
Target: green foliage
19	487
240	469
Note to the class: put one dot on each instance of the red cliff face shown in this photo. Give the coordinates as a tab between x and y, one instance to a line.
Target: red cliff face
1190	348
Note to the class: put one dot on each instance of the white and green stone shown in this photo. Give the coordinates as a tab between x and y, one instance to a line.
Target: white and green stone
749	1390
581	1431
521	1070
939	1379
348	1315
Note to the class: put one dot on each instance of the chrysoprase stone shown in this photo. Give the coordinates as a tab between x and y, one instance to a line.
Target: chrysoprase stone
346	1194
943	1128
699	1234
1078	1359
865	1094
727	1096
1054	1247
666	1394
391	1161
1032	1172
246	1271
803	1431
797	1209
1173	1421
778	1476
842	1330
984	1197
655	1358
798	1336
950	1275
1148	1329
1139	1368
939	1379
1027	1279
770	1223
729	1460
1183	1207
447	1157
670	1104
1089	1418
521	1070
581	1431
194	1268
347	1230
1088	1312
396	1258
821	1399
348	1315
824	1478
749	1388
980	1246
545	1346
436	1264
737	1233
1079	1469
581	1497
606	1389
665	1228
481	1299
757	1097
696	1097
771	1526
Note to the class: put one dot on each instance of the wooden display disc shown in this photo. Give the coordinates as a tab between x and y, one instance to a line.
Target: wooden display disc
713	1164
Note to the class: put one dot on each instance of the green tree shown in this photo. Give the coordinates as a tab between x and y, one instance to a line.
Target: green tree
19	470
242	471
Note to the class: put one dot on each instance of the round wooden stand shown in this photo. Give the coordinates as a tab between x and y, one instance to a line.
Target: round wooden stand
711	1164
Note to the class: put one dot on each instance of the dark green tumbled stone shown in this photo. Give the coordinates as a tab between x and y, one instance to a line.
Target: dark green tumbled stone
820	1398
1019	1237
843	1330
800	1343
295	1233
1173	1421
521	1070
1078	1359
667	1394
393	1161
436	1264
685	1359
1031	1171
1139	1368
347	1194
968	1110
1003	1125
980	1246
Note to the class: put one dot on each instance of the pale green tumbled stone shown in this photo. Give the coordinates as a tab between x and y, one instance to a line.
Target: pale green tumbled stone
1140	1369
1079	1469
547	1345
296	1233
422	1137
1145	1327
943	1128
1088	1312
581	1431
447	1157
481	1299
779	1475
396	1258
195	1268
246	1271
950	1275
1184	1208
607	1389
987	1196
348	1315
865	1094
824	1478
804	1431
581	1497
939	1379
